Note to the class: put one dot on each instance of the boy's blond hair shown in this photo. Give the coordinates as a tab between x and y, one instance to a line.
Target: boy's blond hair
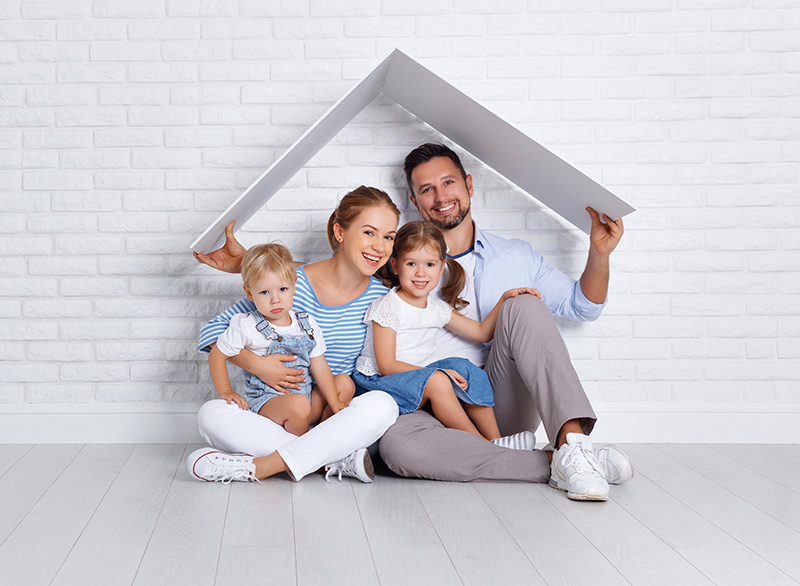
261	258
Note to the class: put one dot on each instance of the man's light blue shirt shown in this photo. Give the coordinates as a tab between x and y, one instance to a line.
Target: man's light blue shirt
503	264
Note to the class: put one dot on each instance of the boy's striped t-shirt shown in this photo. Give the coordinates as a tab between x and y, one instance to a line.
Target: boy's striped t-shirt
343	327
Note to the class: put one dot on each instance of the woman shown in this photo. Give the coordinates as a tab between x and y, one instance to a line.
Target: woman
336	292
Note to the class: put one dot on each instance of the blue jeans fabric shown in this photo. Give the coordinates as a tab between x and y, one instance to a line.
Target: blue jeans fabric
256	391
406	388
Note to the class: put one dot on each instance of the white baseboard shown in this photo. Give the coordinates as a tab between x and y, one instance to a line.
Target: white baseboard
162	423
177	423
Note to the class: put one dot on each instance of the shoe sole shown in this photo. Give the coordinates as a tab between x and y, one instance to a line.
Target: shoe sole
578	497
369	469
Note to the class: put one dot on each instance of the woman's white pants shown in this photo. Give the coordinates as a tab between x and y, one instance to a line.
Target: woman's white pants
231	429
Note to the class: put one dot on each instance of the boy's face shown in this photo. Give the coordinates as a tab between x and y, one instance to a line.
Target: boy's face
272	296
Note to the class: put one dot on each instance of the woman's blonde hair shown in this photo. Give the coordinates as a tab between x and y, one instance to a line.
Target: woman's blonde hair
353	204
416	235
273	258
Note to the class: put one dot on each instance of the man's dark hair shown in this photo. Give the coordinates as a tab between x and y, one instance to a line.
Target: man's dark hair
426	152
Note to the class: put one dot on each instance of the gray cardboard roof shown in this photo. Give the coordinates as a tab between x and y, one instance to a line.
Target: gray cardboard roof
516	156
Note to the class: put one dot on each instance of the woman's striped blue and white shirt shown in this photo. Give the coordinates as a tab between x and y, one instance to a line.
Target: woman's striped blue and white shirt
343	327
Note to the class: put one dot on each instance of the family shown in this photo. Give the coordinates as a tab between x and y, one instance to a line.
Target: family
436	338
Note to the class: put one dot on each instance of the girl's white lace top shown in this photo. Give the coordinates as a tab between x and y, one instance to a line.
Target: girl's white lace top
416	330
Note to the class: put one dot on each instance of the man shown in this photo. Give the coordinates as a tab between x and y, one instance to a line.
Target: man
528	364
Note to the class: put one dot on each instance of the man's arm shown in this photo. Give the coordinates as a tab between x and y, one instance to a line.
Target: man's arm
603	239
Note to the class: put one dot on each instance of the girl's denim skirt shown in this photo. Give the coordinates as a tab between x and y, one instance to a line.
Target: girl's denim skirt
406	388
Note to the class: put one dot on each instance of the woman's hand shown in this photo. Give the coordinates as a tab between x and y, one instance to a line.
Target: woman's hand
460	380
232	397
521	291
274	373
228	258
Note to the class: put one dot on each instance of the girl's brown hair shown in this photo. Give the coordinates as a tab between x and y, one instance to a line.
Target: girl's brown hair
416	235
352	205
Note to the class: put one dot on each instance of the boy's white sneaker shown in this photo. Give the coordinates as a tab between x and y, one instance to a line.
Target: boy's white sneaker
615	464
576	470
524	440
212	465
356	465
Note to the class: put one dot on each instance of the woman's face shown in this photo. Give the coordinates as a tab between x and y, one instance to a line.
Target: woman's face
368	241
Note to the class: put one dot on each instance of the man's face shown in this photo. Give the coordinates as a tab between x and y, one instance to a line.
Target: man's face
440	194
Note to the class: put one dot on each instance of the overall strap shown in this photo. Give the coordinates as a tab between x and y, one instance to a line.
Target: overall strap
263	326
305	325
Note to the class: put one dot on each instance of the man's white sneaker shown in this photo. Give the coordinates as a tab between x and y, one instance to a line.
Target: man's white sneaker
212	465
615	464
524	440
576	470
357	465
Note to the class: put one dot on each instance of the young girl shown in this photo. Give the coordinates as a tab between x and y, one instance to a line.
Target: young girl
400	356
275	328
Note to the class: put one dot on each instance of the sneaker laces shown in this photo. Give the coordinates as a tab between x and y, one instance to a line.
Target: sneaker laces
227	469
344	466
578	457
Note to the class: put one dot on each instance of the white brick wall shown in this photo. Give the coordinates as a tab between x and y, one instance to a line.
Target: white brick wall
126	127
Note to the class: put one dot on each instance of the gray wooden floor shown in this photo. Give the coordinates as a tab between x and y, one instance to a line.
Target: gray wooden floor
122	514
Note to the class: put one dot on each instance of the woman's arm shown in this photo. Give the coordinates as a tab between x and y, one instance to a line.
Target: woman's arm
484	331
323	378
385	343
228	258
219	376
270	369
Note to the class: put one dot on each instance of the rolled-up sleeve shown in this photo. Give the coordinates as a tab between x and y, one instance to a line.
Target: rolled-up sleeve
514	263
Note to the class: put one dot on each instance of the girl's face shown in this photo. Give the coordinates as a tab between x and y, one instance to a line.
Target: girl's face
272	296
368	241
419	272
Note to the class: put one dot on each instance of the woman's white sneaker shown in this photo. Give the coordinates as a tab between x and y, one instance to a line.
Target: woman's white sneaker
212	465
524	440
576	470
356	465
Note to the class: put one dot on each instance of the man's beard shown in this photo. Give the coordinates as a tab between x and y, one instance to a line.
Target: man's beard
452	222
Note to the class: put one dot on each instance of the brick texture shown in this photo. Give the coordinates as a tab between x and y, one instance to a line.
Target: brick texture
126	127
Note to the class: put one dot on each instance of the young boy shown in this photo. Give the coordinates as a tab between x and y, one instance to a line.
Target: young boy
275	328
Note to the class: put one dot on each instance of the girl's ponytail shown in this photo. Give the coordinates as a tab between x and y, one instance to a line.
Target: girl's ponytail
454	285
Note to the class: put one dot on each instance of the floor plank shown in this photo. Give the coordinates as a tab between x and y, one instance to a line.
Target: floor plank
256	565
34	552
420	566
28	479
393	514
185	544
635	551
116	515
760	532
112	545
330	540
10	454
481	549
404	544
772	464
560	553
723	559
761	492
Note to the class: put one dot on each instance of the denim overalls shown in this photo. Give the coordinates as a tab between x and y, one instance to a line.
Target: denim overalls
256	391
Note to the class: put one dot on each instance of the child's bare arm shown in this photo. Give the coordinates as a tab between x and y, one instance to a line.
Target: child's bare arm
385	343
323	378
219	376
484	331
